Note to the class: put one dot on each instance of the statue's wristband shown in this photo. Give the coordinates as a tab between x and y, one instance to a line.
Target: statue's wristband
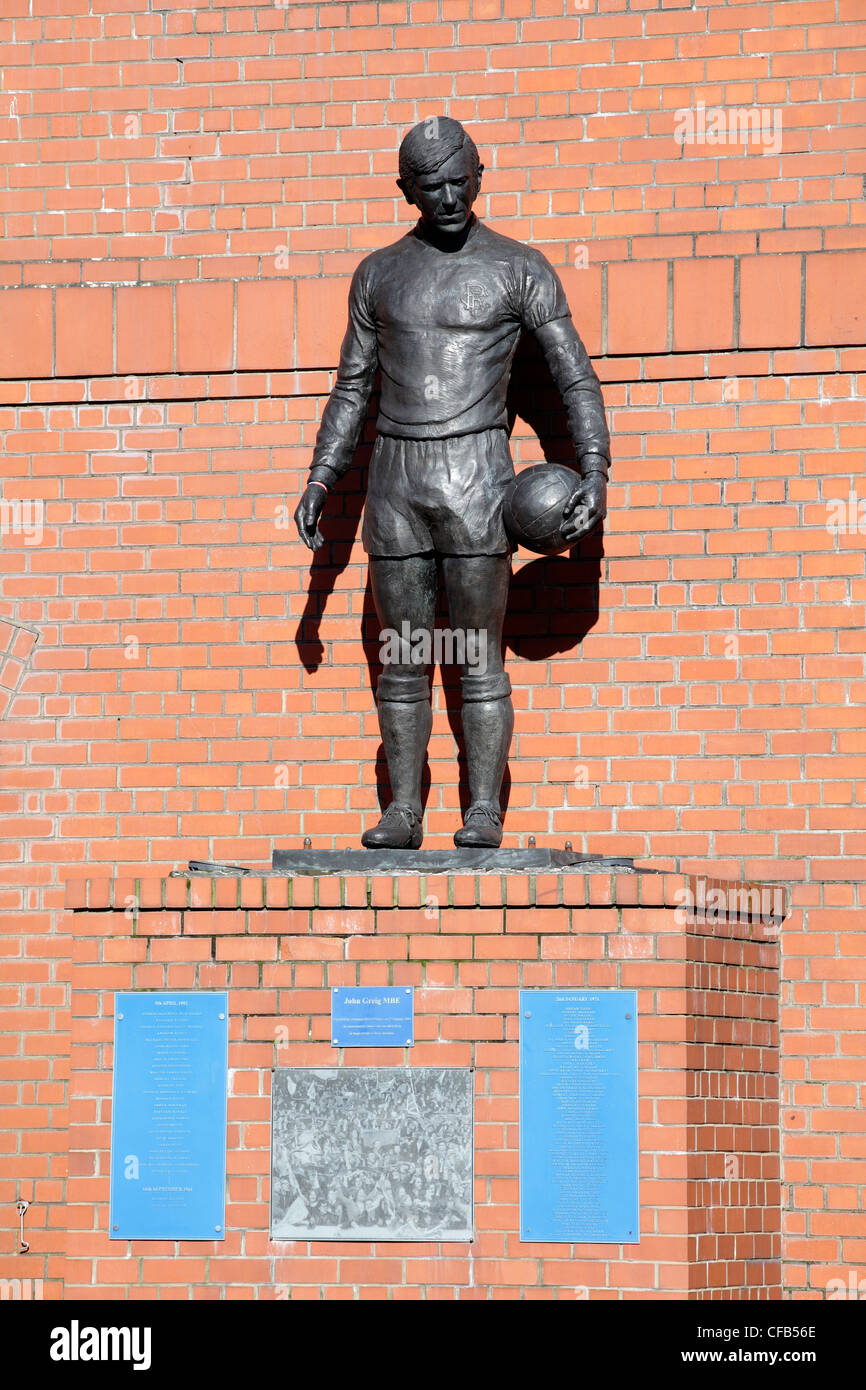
322	474
594	463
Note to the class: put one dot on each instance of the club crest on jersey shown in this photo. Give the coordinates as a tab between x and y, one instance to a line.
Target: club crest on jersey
474	299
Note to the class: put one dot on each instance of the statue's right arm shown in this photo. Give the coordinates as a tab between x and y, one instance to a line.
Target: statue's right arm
344	414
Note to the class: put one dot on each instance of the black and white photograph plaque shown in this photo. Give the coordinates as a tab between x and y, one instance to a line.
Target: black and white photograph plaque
372	1153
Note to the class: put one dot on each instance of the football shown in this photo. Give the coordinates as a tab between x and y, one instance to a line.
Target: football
533	507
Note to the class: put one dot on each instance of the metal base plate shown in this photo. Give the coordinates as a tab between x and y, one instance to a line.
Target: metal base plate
434	861
323	862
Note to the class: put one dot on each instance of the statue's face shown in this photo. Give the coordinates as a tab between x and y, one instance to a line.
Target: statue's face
445	196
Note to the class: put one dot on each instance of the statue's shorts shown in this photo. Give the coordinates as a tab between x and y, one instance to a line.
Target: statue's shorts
443	495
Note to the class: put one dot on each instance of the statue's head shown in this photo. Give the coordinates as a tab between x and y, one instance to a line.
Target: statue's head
440	173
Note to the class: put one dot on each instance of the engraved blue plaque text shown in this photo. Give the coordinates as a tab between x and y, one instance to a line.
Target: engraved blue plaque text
168	1119
373	1017
578	1115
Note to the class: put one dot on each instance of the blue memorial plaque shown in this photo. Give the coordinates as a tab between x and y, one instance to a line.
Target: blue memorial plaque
168	1118
373	1017
578	1115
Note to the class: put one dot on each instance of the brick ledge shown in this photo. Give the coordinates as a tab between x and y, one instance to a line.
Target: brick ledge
729	903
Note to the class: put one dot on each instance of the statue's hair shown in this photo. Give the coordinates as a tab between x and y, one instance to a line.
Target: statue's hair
430	143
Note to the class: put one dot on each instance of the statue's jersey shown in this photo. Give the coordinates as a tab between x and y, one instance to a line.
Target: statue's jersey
442	327
446	327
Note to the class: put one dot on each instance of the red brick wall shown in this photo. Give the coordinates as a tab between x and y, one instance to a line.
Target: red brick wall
708	1063
157	145
206	693
183	196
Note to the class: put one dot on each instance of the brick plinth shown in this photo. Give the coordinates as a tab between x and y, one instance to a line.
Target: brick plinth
708	1072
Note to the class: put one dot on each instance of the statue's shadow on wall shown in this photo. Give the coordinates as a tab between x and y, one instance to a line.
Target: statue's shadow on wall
553	601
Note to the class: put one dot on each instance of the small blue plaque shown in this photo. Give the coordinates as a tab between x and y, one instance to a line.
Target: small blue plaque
373	1017
578	1115
168	1117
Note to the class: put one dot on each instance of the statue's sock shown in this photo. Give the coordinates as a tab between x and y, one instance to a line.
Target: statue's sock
487	729
405	728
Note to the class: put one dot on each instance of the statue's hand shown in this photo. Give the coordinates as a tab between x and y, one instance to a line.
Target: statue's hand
307	514
586	507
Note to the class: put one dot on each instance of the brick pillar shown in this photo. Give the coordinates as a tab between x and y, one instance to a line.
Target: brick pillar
708	1079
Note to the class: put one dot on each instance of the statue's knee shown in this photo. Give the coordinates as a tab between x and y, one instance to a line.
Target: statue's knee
405	685
491	685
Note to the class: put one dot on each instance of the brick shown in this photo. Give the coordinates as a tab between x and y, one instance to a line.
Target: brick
144	329
204	326
769	301
703	304
637	306
322	315
265	328
26	326
835	287
83	334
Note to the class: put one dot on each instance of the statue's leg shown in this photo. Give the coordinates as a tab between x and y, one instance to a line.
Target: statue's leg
477	591
404	592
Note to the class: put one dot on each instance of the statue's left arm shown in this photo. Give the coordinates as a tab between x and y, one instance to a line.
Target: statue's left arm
546	313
